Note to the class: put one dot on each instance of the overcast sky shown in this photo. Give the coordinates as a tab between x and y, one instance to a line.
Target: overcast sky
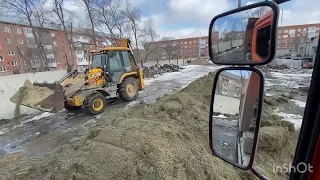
191	18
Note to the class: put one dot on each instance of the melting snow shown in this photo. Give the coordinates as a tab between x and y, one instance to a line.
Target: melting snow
299	103
220	116
293	118
45	114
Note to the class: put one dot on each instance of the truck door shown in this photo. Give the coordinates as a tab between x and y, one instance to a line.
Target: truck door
115	66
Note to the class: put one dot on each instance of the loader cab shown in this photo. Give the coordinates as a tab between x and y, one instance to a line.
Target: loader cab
115	62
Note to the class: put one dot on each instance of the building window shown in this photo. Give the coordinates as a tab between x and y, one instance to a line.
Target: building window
20	41
304	29
298	35
54	43
185	42
1	58
8	40
10	52
18	31
80	59
79	52
292	35
27	30
194	41
317	28
174	44
3	69
53	35
299	30
279	31
190	42
292	31
14	63
285	36
5	29
185	46
285	31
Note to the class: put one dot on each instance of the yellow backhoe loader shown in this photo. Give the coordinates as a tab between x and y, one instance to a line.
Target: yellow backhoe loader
113	72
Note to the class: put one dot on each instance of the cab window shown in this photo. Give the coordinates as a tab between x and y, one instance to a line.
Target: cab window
126	61
115	60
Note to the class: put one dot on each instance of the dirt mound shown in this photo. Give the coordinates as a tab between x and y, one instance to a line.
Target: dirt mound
30	95
199	61
152	71
166	140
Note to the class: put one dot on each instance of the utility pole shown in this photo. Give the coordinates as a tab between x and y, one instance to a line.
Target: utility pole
239	3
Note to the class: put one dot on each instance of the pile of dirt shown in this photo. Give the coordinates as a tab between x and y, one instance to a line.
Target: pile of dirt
166	140
30	95
199	61
152	71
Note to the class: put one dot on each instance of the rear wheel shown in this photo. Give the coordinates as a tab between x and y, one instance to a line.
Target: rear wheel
95	103
70	107
128	89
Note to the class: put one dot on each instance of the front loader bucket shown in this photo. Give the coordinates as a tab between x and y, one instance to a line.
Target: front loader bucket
42	96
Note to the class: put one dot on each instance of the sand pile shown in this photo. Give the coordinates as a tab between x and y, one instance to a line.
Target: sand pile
200	61
166	140
30	95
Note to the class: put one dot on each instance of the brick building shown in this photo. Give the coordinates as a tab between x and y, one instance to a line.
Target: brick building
19	52
290	37
183	48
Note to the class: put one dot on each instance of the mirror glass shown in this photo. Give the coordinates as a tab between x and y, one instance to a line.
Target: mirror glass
234	116
242	37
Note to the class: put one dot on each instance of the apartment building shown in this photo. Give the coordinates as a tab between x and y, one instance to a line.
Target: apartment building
19	52
290	37
184	48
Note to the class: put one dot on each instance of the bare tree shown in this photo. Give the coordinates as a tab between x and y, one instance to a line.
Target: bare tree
149	40
67	25
133	18
30	10
91	12
167	47
109	19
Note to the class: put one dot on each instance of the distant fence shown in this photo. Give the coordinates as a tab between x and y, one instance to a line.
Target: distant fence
290	63
178	62
223	46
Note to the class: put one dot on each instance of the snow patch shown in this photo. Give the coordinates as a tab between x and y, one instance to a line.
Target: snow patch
3	131
43	115
131	104
293	118
299	103
220	116
269	95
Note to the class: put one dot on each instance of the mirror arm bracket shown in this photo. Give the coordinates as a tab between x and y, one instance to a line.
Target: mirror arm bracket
258	174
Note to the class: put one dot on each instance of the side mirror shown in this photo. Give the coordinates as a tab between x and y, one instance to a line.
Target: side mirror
235	111
244	36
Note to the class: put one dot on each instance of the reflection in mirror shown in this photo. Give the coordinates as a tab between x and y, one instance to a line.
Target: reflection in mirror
234	115
243	36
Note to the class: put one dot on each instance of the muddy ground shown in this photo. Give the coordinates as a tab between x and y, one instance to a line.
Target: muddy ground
141	140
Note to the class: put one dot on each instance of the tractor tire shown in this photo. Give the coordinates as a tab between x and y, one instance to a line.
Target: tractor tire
70	107
129	89
95	103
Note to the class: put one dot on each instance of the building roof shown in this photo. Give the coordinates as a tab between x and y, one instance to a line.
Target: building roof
315	24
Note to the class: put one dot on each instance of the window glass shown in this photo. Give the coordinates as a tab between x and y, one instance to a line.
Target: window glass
114	60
